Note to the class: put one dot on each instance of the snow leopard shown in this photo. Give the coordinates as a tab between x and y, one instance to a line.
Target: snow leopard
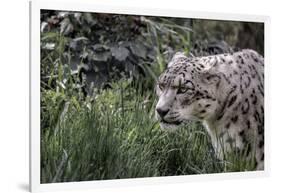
224	92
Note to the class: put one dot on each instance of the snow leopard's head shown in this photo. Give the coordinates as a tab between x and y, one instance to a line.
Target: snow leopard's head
186	91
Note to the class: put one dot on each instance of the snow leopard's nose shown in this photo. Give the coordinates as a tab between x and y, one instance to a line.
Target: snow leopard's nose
162	112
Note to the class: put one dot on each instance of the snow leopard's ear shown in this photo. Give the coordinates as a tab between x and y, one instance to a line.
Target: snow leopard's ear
211	79
175	58
208	63
209	74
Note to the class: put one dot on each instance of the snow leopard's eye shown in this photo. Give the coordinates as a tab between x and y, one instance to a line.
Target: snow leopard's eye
188	88
182	89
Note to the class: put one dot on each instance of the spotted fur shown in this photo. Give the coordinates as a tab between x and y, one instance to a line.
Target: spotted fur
225	92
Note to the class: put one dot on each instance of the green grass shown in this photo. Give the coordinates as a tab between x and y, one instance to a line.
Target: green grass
114	135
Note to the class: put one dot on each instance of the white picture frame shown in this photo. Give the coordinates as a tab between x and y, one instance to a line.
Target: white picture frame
36	6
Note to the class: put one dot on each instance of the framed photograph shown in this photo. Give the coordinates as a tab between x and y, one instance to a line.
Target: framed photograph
122	96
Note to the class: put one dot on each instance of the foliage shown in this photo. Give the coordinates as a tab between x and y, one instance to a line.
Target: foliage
102	46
